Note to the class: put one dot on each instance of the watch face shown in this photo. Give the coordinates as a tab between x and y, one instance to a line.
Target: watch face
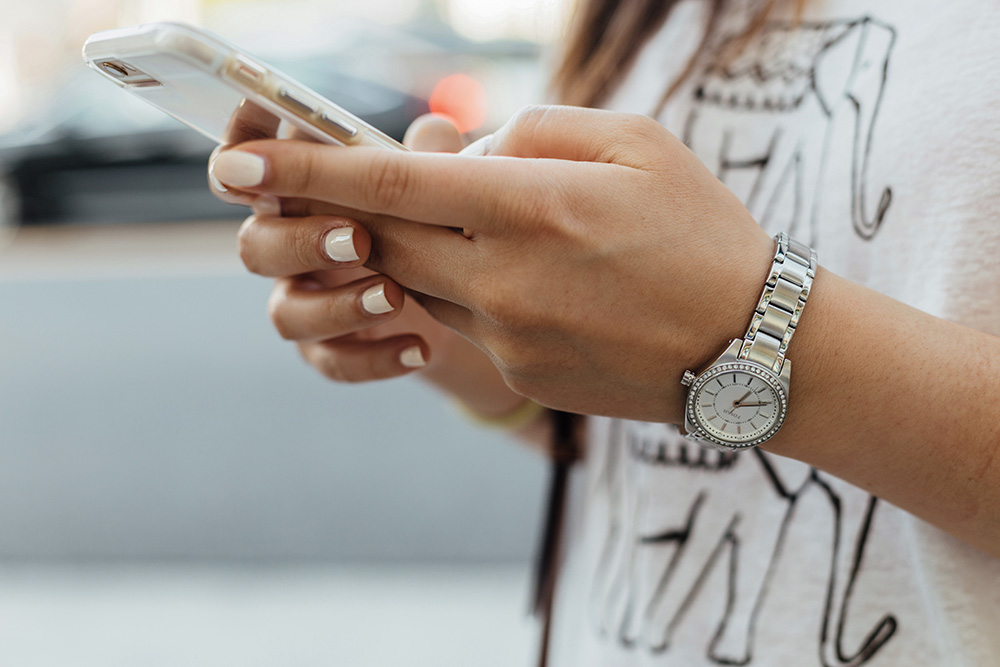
737	405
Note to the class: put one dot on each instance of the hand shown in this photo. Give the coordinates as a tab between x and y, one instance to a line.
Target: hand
601	257
320	303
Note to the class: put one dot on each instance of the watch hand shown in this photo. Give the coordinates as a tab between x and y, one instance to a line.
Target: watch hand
752	405
737	402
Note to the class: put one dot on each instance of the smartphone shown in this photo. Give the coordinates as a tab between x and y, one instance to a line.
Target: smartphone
220	91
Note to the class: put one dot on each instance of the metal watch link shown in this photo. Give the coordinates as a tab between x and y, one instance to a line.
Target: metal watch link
740	400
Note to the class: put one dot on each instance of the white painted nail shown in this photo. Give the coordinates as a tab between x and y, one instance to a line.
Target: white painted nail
216	183
339	245
267	205
238	168
412	357
374	301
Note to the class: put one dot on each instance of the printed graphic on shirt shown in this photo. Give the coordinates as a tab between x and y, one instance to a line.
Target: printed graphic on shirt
785	85
764	122
655	558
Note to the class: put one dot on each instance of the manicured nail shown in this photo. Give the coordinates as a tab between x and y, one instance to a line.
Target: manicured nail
267	205
374	301
239	168
412	357
216	183
339	245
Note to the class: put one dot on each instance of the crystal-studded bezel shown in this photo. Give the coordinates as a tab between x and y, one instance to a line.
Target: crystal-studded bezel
701	433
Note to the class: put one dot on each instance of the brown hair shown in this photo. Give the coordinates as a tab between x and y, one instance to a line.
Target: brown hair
605	37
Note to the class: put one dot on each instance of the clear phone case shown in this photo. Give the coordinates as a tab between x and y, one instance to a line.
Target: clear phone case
213	87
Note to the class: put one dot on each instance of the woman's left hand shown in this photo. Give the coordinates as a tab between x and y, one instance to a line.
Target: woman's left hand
599	259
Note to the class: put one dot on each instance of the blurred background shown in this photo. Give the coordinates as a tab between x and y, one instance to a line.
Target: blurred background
176	486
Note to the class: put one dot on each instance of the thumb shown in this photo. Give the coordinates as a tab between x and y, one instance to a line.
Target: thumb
435	134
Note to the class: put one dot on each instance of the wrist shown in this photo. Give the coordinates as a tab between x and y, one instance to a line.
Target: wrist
523	415
728	306
463	372
740	400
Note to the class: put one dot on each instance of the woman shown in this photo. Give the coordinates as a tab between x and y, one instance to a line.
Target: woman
601	257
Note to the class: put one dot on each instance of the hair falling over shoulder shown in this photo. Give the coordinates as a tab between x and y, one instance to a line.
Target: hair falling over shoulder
605	37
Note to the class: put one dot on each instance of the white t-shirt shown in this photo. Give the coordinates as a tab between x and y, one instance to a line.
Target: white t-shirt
870	131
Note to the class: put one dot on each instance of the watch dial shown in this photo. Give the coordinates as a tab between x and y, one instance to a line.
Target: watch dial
736	406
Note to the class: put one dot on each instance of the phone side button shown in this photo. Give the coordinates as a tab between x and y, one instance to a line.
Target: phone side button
295	103
245	72
339	129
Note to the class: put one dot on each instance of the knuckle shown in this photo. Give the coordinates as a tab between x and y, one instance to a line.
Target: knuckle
517	137
245	244
528	119
303	246
296	171
325	359
639	135
388	182
331	367
353	373
642	125
302	172
340	315
281	325
279	315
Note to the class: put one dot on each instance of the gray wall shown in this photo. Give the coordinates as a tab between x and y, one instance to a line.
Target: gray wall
163	418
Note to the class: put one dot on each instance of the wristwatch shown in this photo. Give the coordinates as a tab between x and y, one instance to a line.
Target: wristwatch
740	400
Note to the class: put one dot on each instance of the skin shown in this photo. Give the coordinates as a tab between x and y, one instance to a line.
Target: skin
599	260
319	307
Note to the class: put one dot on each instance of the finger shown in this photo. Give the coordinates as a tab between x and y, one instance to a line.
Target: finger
221	191
454	316
363	361
448	190
434	134
437	261
434	260
271	207
251	121
430	259
277	247
580	135
303	310
299	207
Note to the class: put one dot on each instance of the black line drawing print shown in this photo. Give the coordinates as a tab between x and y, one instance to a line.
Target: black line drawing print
696	535
788	78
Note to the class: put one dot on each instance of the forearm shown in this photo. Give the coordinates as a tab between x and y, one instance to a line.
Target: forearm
900	403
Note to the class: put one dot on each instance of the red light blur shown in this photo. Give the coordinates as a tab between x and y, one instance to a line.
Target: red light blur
462	99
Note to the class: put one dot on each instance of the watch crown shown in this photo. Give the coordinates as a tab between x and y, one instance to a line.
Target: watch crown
687	379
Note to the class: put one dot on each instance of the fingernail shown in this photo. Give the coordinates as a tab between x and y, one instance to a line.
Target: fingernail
216	183
412	357
339	245
267	205
480	146
238	168
374	301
